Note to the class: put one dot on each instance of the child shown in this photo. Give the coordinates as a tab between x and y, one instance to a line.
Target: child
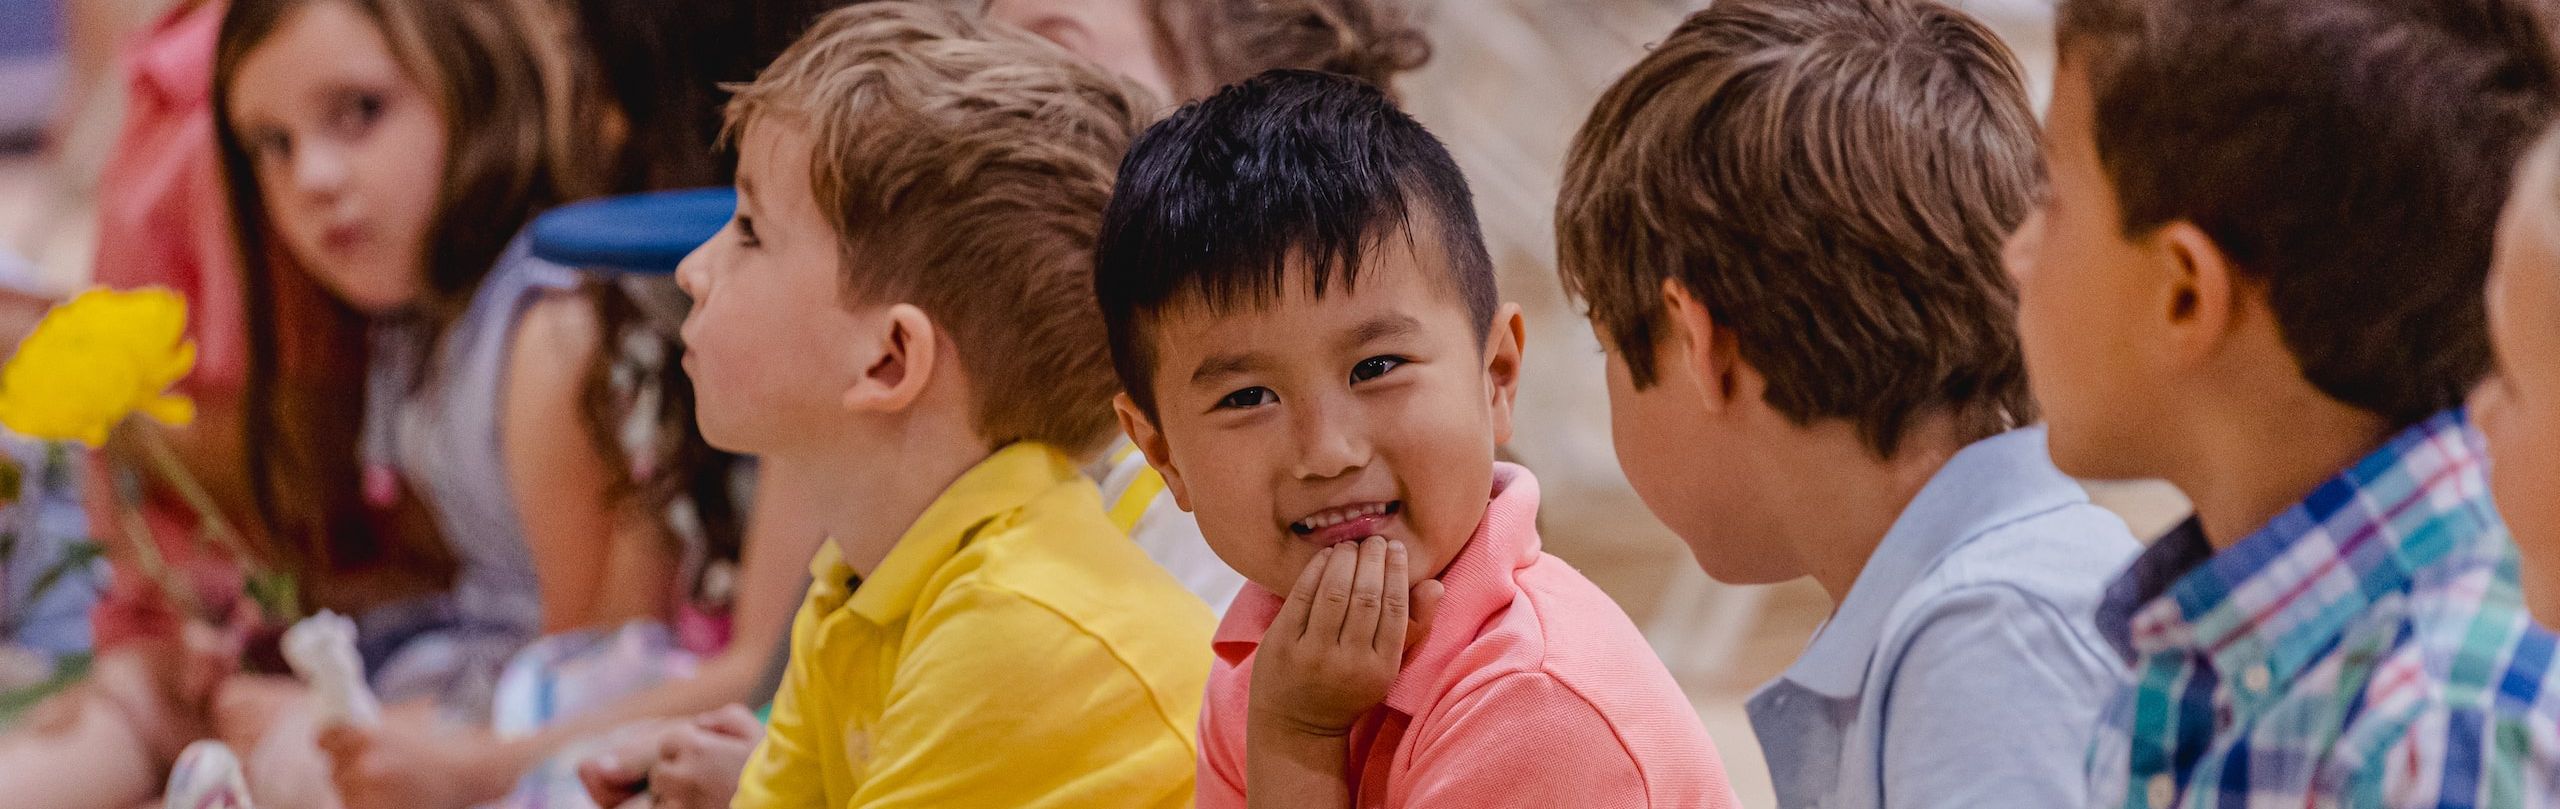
334	120
1787	220
2518	410
2258	275
900	307
1302	314
1182	50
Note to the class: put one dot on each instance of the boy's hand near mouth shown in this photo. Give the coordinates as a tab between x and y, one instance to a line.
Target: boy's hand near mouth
1326	660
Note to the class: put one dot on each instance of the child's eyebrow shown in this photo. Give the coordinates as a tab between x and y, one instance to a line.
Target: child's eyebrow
1220	366
1391	324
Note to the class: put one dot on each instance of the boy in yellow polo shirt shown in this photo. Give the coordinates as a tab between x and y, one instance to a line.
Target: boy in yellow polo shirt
903	300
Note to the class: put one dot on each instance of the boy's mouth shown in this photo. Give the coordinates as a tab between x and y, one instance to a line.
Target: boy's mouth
1346	523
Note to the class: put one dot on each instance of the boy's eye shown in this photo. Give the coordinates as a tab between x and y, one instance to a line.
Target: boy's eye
1247	398
746	230
1374	367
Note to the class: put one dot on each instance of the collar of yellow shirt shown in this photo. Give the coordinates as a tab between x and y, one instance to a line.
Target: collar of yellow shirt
982	499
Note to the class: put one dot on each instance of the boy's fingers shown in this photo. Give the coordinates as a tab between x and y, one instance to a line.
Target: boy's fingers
1368	595
1390	639
1293	613
730	720
1333	595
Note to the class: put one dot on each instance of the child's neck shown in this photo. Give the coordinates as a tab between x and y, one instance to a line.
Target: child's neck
1845	499
873	486
2248	462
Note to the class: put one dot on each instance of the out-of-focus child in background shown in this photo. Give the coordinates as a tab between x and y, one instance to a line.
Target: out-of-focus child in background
1186	49
378	154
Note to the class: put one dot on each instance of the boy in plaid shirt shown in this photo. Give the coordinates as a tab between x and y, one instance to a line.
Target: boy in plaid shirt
2258	275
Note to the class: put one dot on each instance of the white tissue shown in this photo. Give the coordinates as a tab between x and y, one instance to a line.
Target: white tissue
322	650
207	776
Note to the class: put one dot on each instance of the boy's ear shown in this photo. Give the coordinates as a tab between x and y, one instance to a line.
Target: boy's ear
1713	359
1150	441
2204	298
1504	344
900	367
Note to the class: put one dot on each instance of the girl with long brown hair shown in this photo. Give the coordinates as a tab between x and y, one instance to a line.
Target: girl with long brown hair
418	446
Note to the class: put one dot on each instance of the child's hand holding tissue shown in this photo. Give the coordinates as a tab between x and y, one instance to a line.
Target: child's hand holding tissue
410	762
322	650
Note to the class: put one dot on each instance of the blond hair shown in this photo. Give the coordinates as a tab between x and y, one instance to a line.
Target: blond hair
964	168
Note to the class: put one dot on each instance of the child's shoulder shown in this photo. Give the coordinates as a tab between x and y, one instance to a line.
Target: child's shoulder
2058	560
1563	672
1061	553
2448	684
1561	627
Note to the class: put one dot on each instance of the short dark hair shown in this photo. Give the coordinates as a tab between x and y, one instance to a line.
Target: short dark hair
2351	154
1833	180
1289	166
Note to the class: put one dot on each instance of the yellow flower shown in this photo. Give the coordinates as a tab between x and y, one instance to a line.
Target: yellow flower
96	359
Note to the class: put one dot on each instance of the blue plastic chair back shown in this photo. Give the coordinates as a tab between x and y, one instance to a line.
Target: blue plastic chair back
642	233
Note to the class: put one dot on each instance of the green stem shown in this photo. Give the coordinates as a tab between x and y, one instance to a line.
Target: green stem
146	552
164	460
210	522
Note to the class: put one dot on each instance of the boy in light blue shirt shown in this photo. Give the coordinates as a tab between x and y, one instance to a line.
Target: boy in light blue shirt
1787	223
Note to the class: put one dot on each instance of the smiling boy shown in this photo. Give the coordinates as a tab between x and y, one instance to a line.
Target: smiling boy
1302	313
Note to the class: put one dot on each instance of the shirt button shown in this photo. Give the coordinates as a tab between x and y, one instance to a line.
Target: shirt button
2164	790
2256	678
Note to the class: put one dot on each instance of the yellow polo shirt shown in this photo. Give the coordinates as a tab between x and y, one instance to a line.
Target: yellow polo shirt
1014	650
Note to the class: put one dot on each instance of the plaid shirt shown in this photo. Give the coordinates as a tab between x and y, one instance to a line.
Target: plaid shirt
2366	648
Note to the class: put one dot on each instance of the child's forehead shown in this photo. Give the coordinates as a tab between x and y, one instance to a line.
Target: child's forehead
1299	306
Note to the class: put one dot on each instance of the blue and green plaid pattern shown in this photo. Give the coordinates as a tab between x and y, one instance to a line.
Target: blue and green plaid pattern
2366	648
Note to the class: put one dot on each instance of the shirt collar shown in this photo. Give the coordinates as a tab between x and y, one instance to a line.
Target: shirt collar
1478	583
2282	595
2171	556
1990	483
983	498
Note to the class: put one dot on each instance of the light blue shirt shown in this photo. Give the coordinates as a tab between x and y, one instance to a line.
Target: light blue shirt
1964	669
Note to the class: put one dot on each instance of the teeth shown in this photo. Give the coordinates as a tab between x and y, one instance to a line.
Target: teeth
1326	519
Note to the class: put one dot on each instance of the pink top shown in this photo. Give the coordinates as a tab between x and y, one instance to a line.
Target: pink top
162	215
1531	690
163	219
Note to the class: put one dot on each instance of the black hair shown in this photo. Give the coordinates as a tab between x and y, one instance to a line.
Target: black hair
1221	198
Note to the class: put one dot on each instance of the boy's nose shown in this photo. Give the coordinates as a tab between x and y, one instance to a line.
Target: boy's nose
690	272
1329	443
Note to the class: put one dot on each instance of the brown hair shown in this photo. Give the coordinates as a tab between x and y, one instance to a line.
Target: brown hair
1208	44
1833	180
513	104
2350	154
965	168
